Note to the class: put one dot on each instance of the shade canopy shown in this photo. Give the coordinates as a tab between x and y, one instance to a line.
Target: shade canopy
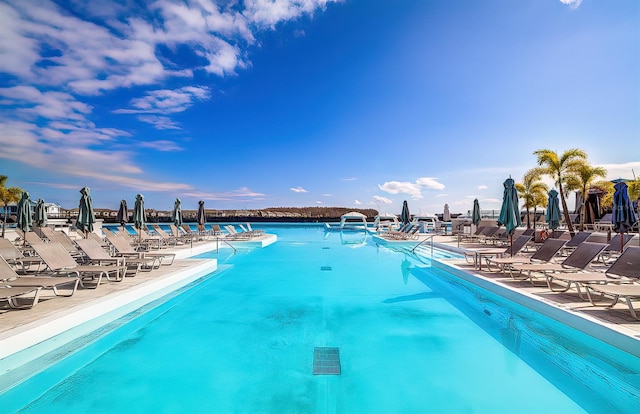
176	214
123	213
86	217
475	215
509	212
623	217
139	218
446	215
553	214
24	220
405	216
201	217
40	214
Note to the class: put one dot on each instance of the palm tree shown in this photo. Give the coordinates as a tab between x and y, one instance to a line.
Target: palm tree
7	196
560	169
585	176
532	191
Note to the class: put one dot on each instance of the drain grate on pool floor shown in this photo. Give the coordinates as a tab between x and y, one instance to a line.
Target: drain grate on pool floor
326	361
326	268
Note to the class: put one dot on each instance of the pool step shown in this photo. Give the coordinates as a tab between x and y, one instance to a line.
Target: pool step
326	361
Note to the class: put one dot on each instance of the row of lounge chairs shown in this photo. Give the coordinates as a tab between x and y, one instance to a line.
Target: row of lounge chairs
51	260
62	265
595	269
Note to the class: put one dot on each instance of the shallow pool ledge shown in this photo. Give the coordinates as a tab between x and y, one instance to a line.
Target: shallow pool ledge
614	335
48	332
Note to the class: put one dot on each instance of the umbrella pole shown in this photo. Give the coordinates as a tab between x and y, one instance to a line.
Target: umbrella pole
511	244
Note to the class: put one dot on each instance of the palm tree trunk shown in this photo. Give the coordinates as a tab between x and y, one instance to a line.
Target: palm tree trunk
583	211
565	211
528	219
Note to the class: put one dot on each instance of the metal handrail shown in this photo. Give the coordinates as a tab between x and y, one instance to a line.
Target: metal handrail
428	238
218	239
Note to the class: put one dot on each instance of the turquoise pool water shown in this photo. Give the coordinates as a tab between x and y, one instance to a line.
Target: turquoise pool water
411	340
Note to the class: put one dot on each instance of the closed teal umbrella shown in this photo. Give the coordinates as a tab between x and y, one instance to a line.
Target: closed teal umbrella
139	219
176	215
509	212
405	216
553	214
24	220
123	213
475	215
86	218
623	217
201	217
40	214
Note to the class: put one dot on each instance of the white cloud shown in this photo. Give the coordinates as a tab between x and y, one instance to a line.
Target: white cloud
167	101
270	12
357	202
574	4
483	187
624	170
412	189
298	190
161	145
159	122
442	195
319	202
430	182
243	193
382	200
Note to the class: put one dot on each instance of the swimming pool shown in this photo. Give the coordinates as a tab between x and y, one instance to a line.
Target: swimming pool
410	339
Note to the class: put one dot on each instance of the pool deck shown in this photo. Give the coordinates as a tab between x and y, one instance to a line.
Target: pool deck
617	319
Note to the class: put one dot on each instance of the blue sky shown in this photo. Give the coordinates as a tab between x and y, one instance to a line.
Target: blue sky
356	103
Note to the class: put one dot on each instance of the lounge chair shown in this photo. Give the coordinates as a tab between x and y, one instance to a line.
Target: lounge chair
578	260
478	254
545	253
626	268
11	278
124	248
14	295
98	255
15	257
216	230
233	234
169	239
59	261
179	233
576	240
62	238
249	229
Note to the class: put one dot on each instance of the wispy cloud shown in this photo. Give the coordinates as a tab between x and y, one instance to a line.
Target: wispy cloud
357	202
412	189
161	145
574	4
381	200
483	187
242	194
298	190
